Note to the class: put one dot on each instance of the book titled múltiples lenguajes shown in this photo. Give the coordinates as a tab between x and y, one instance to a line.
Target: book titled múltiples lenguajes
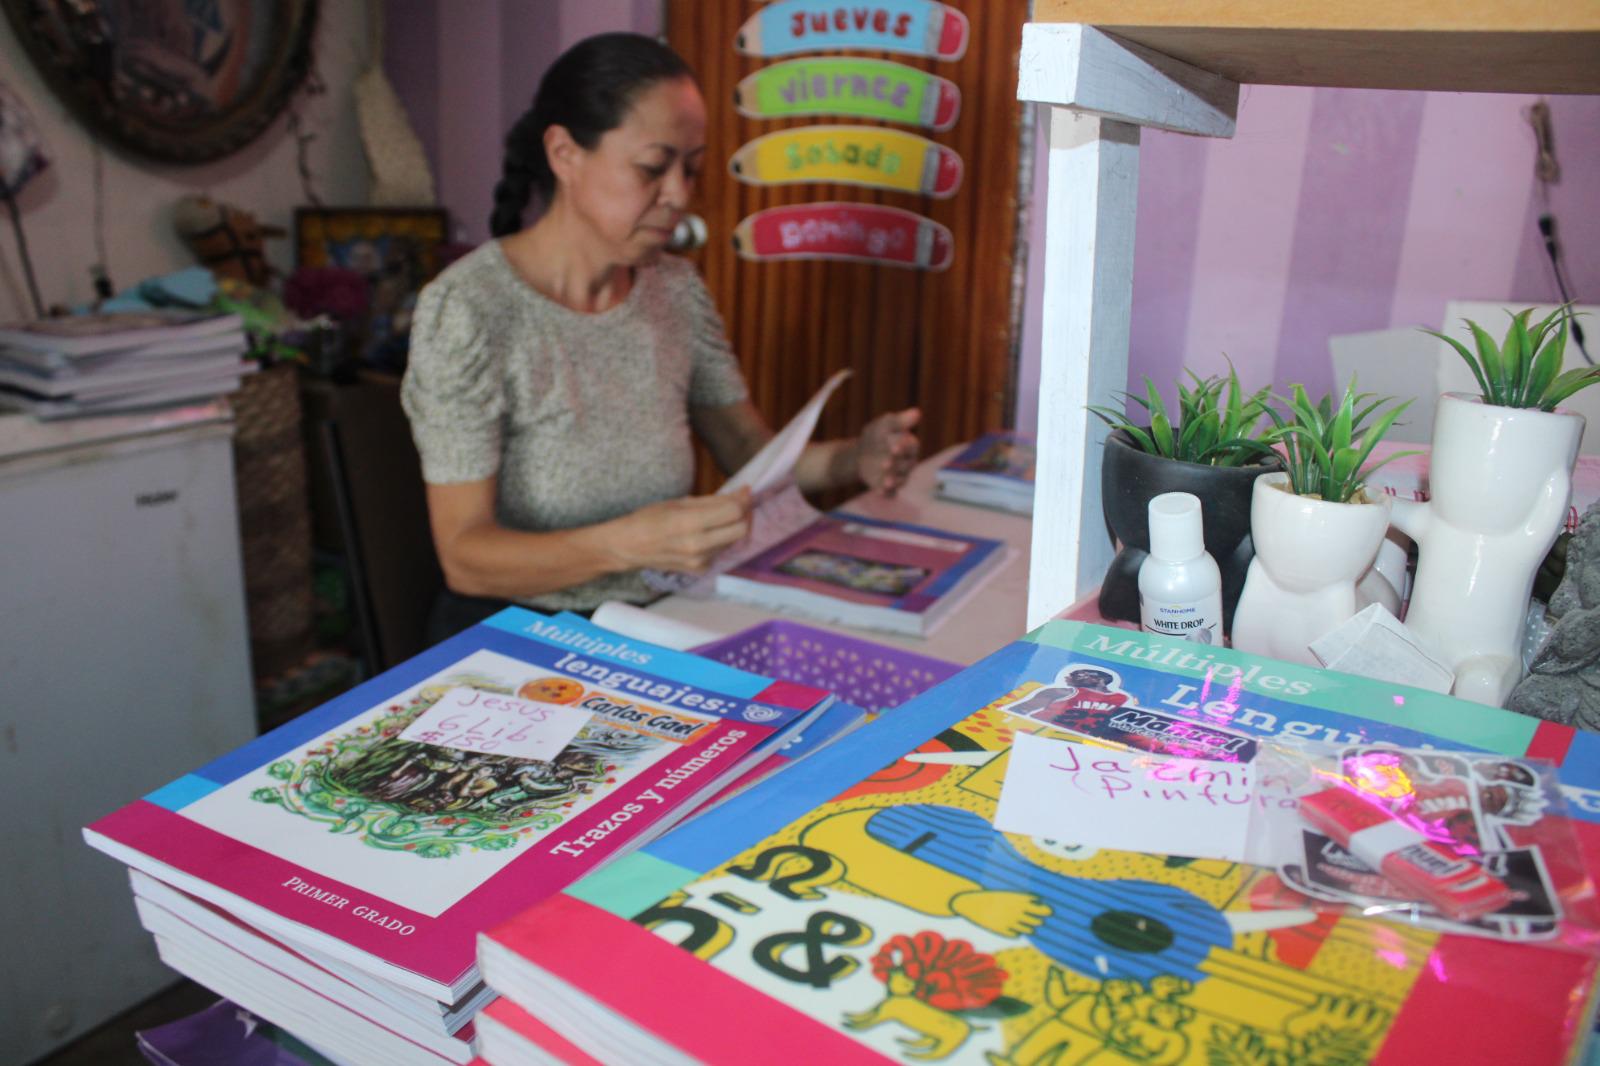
386	828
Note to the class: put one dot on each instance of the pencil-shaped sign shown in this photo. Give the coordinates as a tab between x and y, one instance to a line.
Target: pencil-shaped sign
846	85
875	156
862	232
917	27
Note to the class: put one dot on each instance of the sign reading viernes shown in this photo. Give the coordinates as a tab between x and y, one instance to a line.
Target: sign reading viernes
852	86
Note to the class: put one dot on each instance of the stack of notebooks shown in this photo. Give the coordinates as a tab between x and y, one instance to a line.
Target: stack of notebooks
91	364
996	470
862	907
332	876
865	572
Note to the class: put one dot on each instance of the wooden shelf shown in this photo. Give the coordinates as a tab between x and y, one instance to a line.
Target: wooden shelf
1469	46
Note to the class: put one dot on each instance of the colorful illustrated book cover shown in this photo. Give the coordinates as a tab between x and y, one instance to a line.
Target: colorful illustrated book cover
995	455
890	919
850	559
376	830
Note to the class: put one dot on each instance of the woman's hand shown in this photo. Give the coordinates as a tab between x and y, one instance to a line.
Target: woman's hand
887	450
681	535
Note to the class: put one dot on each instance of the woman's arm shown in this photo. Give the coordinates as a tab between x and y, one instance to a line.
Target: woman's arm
882	456
481	557
733	432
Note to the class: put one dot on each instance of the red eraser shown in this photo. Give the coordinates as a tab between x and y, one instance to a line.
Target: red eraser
1452	883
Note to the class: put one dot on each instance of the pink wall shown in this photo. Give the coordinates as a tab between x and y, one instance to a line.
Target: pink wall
1340	211
467	71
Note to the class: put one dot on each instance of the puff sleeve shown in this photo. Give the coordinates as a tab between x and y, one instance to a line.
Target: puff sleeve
716	379
453	390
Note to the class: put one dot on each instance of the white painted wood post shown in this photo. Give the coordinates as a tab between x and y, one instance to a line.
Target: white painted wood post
1101	91
1088	298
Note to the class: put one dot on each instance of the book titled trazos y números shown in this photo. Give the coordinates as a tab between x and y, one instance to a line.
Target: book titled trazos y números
865	572
386	828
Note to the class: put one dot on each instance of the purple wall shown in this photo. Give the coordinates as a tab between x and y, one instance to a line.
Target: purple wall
1339	211
467	71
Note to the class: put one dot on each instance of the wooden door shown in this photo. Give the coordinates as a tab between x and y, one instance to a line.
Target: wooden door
944	342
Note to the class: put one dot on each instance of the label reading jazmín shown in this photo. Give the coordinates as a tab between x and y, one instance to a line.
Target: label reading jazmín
1200	621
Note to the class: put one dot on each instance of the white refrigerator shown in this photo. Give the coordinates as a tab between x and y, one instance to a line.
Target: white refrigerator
124	664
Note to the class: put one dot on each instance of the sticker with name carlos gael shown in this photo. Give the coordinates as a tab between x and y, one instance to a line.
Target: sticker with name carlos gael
916	27
874	156
496	724
852	86
861	232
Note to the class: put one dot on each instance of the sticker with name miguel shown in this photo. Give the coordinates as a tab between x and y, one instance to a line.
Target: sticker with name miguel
873	156
852	231
915	27
848	85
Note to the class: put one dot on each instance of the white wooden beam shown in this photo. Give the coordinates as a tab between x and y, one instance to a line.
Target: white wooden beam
1080	67
1088	299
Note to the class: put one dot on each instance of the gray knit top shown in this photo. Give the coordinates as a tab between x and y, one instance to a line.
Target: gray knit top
580	417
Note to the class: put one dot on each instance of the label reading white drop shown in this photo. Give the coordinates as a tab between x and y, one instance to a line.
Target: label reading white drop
1199	620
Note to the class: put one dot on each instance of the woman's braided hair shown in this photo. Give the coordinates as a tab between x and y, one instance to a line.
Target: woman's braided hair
588	90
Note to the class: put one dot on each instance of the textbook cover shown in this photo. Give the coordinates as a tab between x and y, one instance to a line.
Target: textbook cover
863	906
387	827
865	572
996	470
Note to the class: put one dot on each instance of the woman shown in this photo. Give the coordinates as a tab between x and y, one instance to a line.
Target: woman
557	372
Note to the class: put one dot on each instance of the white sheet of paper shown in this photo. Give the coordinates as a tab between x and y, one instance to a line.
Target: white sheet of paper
496	724
1126	800
652	626
1374	643
779	508
773	464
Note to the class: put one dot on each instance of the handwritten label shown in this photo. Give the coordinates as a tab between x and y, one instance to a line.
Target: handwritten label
1130	801
496	724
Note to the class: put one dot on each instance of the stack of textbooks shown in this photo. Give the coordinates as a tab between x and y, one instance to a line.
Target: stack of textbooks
865	572
332	876
92	364
996	470
862	907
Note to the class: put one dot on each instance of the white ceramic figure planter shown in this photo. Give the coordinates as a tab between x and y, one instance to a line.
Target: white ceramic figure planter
1311	555
1499	483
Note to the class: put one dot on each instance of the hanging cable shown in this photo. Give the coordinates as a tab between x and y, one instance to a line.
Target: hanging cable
1547	171
100	270
22	249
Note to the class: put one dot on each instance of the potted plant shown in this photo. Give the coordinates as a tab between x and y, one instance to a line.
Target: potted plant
1500	479
1214	449
1316	528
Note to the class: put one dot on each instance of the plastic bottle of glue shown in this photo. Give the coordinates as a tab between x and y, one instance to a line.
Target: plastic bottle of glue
1180	587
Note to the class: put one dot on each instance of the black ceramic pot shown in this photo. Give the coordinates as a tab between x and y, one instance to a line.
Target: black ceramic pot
1130	478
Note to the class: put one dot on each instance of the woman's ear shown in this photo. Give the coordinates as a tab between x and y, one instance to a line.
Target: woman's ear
562	152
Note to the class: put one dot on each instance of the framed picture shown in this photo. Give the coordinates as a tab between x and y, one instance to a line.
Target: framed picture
396	249
173	80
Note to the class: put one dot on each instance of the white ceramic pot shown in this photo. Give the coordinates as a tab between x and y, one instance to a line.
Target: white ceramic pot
1310	557
1500	480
